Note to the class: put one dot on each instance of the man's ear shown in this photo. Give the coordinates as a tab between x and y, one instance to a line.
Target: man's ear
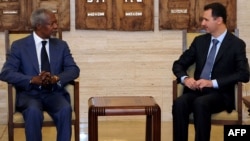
219	20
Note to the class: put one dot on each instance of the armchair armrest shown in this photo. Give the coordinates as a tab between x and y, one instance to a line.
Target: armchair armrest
177	89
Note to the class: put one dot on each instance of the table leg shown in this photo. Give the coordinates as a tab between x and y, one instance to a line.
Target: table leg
157	124
93	125
149	128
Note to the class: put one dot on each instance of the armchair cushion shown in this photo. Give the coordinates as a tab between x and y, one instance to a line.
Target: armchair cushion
246	101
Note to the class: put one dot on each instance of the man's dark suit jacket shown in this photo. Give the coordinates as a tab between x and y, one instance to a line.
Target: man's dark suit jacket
22	64
230	66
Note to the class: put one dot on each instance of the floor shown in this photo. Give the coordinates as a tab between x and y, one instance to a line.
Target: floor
114	131
128	130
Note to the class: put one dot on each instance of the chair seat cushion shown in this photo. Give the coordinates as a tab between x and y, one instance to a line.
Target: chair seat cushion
246	100
18	117
223	115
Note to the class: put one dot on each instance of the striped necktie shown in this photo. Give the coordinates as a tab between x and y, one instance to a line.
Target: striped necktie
206	72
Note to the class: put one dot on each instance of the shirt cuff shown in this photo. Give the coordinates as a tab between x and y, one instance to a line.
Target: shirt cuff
215	83
182	79
59	83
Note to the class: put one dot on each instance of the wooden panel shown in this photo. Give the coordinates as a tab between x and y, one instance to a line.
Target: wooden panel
186	14
61	8
13	14
94	14
177	14
134	15
127	15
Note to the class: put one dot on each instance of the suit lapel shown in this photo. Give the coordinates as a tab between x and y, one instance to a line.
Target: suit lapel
205	49
224	45
53	54
31	50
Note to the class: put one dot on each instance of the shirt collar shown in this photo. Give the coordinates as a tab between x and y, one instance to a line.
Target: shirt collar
38	39
221	37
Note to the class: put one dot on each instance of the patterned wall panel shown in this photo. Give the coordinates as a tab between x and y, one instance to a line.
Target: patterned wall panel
126	15
15	14
94	14
186	14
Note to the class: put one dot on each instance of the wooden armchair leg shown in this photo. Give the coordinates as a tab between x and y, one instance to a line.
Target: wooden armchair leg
77	132
11	133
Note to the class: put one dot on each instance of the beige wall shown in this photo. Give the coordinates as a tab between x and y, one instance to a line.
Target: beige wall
128	63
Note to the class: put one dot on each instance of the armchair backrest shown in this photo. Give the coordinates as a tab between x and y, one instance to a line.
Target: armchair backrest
187	37
11	36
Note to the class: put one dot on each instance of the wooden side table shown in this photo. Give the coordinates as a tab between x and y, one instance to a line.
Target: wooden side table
125	105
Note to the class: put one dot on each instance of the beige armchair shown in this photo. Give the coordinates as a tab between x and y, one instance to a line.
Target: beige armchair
15	119
223	117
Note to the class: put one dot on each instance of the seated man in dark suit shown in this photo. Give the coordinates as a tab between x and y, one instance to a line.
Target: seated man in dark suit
39	67
220	62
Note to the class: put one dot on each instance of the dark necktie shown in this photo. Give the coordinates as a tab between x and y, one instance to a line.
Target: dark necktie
45	66
210	61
